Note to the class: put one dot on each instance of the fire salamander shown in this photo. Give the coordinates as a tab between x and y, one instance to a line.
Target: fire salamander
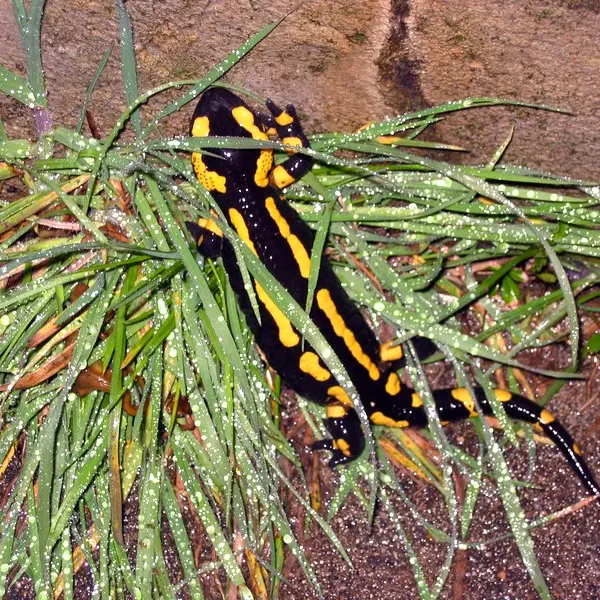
245	185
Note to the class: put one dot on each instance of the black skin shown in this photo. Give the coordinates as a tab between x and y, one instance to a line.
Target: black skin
242	193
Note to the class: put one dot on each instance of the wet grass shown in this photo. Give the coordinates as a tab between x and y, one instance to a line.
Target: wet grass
104	303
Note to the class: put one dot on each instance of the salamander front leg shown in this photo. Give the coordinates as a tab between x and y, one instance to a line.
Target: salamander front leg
347	439
290	132
208	237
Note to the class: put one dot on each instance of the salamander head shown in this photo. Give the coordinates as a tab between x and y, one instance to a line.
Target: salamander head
221	113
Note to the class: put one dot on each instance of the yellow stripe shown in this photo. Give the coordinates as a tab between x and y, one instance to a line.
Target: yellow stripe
378	418
327	305
337	392
463	396
235	216
392	385
298	250
287	335
309	363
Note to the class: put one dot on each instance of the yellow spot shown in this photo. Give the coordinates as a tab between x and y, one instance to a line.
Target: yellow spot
235	216
463	396
264	164
292	141
287	335
389	353
309	363
502	395
210	225
326	304
546	417
298	250
245	118
335	411
393	386
577	449
280	177
210	180
340	395
483	200
284	119
343	446
416	401
378	418
200	127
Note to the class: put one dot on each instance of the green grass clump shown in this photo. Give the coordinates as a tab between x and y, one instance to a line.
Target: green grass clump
97	270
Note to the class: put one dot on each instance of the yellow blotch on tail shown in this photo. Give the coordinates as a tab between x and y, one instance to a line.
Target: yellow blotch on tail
546	417
393	385
378	418
463	396
502	395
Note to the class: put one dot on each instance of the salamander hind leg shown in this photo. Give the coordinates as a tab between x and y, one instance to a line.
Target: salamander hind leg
290	132
347	439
